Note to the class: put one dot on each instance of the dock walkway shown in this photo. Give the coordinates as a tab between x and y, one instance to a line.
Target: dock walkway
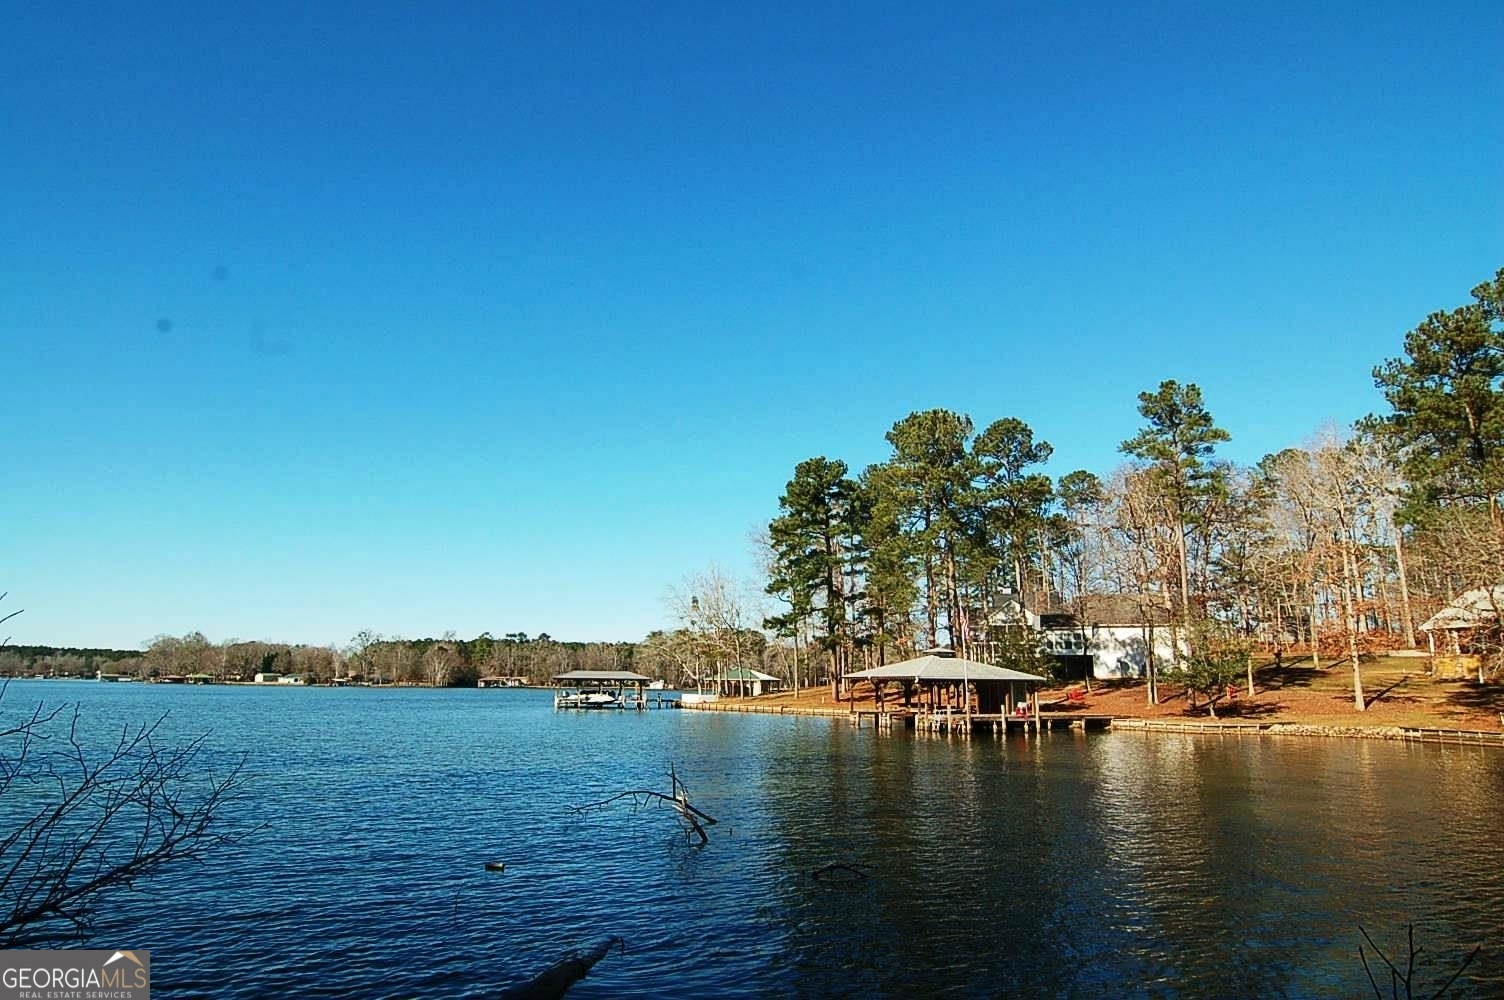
908	718
956	723
1408	734
753	708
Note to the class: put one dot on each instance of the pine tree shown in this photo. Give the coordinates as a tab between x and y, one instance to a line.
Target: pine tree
808	542
1178	445
1447	396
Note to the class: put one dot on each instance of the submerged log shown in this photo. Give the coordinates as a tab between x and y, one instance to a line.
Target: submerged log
552	983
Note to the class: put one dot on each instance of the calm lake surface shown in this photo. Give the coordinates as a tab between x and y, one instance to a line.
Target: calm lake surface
1077	866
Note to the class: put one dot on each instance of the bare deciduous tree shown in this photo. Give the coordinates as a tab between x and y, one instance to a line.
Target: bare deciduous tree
713	608
1143	558
441	663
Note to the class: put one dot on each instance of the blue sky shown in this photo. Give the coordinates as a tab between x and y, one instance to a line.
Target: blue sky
495	317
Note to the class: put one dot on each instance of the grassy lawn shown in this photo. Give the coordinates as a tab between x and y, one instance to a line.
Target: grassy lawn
1398	691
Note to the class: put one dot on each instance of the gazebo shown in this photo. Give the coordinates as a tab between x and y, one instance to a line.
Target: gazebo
948	683
1468	628
745	681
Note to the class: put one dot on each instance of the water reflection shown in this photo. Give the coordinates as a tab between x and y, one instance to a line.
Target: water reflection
1133	865
1109	864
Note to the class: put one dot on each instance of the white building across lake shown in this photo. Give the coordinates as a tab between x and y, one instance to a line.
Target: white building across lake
1105	636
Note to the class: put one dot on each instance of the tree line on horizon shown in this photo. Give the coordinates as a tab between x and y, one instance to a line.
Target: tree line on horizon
1339	546
680	655
443	662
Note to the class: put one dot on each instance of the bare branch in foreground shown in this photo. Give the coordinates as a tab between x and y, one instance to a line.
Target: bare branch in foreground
1406	979
6	618
80	822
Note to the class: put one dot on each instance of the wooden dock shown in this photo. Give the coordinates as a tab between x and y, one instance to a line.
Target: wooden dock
1406	734
753	708
958	724
1177	726
1454	736
961	724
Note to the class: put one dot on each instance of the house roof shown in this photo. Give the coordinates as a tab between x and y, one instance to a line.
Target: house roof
600	677
1117	609
1453	619
1095	609
942	668
1469	609
744	674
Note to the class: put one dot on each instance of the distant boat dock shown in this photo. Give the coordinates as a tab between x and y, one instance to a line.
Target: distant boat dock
598	690
952	723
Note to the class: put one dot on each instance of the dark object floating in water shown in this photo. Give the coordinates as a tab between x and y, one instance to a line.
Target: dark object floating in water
496	866
840	871
553	982
164	325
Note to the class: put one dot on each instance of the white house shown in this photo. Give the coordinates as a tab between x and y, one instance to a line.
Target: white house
1108	634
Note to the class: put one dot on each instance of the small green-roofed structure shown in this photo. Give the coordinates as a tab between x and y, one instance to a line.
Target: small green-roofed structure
744	681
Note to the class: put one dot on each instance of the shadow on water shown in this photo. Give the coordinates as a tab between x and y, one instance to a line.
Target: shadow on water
1091	866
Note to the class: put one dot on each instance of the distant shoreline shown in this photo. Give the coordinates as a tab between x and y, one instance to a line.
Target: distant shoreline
323	685
1287	724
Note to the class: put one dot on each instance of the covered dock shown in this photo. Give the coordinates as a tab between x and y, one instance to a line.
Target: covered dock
601	689
940	692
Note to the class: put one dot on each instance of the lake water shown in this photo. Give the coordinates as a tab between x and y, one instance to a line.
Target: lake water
1077	866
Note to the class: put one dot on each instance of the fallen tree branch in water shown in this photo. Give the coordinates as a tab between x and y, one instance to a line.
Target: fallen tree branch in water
1406	978
553	982
841	867
677	799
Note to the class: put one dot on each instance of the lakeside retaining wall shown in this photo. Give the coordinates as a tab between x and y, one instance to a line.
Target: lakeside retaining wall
753	708
1405	733
1398	733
